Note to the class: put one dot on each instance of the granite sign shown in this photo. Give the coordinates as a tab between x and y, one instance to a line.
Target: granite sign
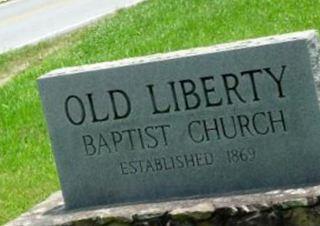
229	118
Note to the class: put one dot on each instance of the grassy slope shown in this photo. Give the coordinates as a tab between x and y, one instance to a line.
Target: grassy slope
27	171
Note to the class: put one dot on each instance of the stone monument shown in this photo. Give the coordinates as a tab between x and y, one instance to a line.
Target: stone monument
225	119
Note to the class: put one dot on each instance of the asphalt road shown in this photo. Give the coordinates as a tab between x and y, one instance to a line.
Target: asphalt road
24	22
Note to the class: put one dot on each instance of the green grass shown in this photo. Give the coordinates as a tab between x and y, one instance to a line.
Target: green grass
27	171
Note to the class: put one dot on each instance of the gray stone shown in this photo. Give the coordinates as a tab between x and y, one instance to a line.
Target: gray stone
269	209
201	211
238	117
149	214
301	202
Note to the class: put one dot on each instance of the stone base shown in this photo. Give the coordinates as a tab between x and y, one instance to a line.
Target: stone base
294	207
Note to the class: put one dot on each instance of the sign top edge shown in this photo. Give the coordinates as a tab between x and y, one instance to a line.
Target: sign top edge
308	35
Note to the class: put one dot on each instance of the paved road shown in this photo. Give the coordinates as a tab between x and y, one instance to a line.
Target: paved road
25	22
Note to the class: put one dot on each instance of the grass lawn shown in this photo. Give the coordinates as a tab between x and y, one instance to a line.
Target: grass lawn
27	171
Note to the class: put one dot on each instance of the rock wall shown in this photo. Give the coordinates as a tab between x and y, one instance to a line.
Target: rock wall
294	207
